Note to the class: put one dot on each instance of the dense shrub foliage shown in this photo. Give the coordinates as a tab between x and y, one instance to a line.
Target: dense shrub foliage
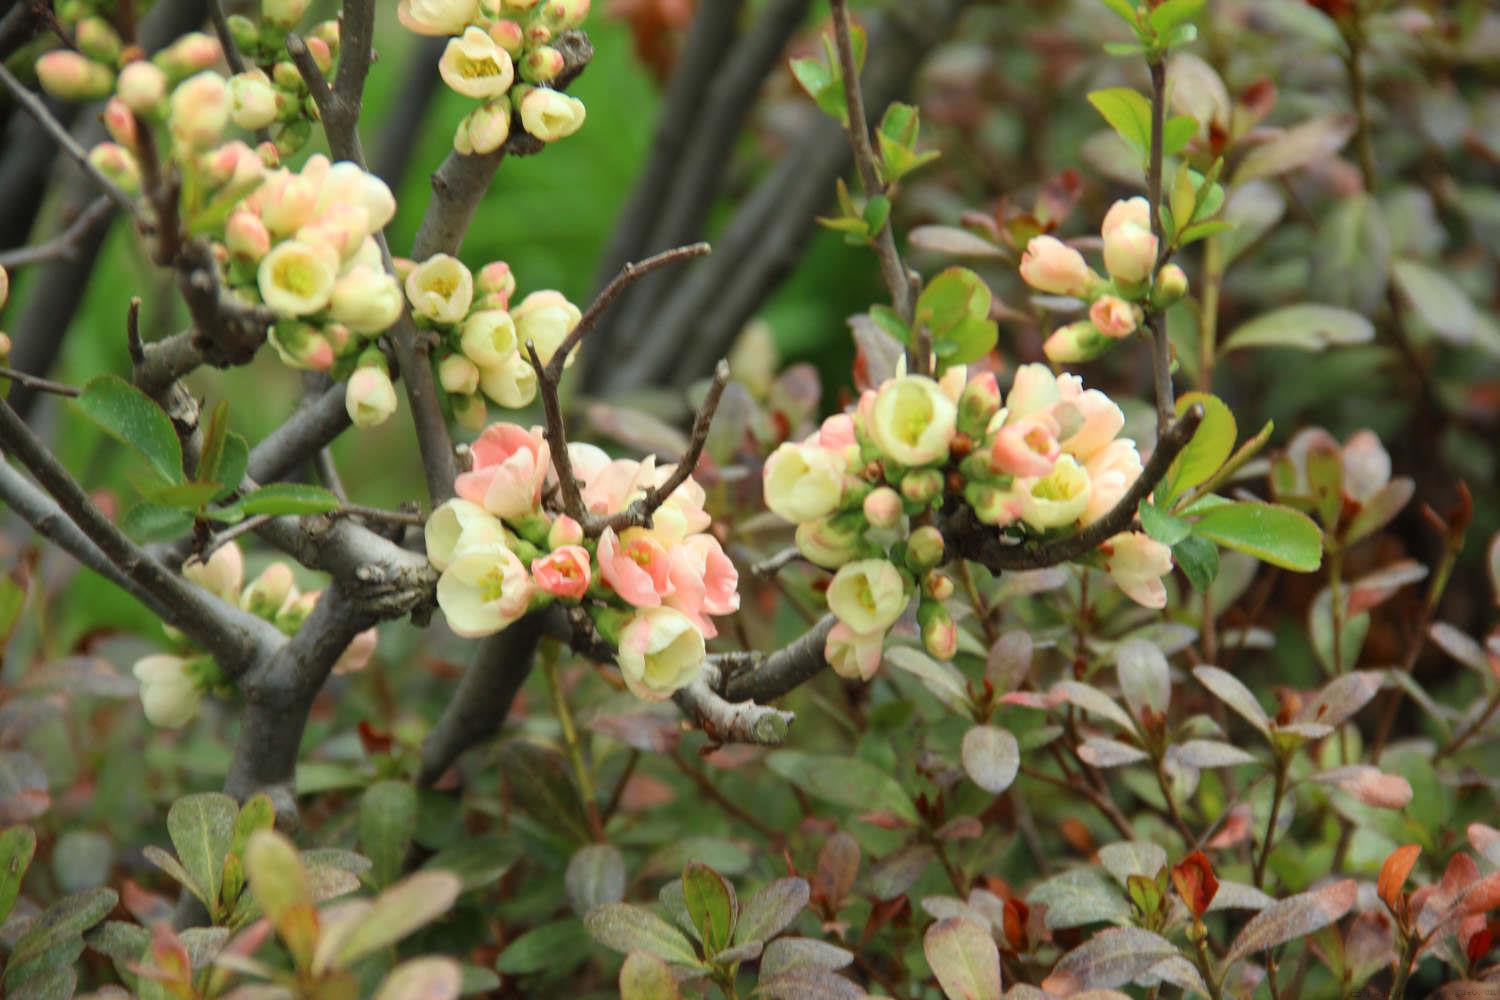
1076	579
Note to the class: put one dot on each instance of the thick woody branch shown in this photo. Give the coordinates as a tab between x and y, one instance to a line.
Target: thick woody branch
378	577
731	722
980	543
758	677
234	638
483	698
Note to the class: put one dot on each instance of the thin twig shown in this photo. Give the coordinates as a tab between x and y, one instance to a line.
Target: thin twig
69	145
774	564
39	384
63	246
226	38
1161	345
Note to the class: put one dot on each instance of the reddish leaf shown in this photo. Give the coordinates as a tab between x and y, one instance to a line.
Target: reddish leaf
1394	872
1194	879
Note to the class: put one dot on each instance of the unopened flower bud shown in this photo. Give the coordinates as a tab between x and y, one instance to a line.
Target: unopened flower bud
564	531
883	507
938	586
222	575
510	36
1129	245
1075	343
371	398
830	542
118	164
939	631
192	53
321	54
496	278
542	65
301	346
329	33
253	103
1050	265
470	412
458	375
170	694
550	115
283	13
199	111
269	591
142	87
295	612
545	319
564	14
69	76
922	486
367	299
1171	286
924	550
244	32
977	404
97	39
119	122
484	129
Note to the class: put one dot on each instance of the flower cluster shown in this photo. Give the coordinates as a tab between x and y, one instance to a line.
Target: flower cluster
864	489
303	244
1115	304
501	54
484	337
653	592
173	684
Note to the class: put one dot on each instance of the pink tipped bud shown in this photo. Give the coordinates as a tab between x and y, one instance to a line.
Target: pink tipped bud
253	101
199	111
371	398
1171	286
192	53
509	35
283	13
119	122
118	164
330	34
269	591
69	76
564	531
321	53
937	586
922	486
247	237
565	14
883	507
538	34
939	631
1050	265
542	65
1075	343
97	39
142	87
496	278
1114	317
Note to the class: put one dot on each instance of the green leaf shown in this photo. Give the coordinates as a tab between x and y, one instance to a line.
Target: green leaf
771	910
542	785
955	309
711	906
215	433
1128	113
1277	535
1307	327
61	923
541	947
387	822
233	463
646	977
877	213
202	829
1123	9
891	322
595	876
626	927
1162	526
1174	13
17	845
845	781
183	496
1199	560
289	498
1202	230
1176	133
479	861
131	418
1441	304
1211	445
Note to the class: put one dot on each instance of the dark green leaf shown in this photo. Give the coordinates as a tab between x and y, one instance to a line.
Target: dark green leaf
184	496
845	781
61	923
542	785
17	845
544	947
1162	526
387	821
1198	559
234	463
202	829
771	910
711	906
130	417
215	433
151	522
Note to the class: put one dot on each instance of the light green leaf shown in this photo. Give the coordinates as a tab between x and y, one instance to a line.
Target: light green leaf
1210	447
1277	535
1128	112
289	498
17	845
131	418
626	927
202	829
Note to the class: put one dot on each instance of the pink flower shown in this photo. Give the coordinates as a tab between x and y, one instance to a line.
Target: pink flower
1101	418
704	582
1112	471
617	484
357	656
1137	563
636	567
510	468
1050	265
565	573
1026	447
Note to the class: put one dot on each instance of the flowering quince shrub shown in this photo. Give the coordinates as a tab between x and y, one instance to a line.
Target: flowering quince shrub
1117	625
